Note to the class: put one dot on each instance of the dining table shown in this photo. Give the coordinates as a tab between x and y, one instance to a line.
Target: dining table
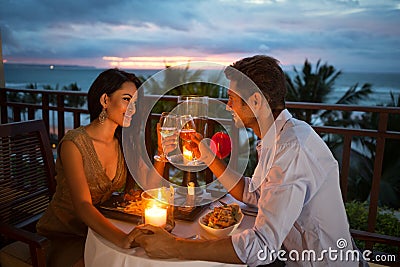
100	252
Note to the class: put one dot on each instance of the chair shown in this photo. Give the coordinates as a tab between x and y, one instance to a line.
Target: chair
26	186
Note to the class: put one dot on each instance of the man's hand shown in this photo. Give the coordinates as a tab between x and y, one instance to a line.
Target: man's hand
203	149
157	242
129	240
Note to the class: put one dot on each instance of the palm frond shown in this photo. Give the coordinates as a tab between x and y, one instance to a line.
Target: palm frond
393	101
353	94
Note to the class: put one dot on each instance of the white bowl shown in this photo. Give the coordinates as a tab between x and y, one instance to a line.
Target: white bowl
224	232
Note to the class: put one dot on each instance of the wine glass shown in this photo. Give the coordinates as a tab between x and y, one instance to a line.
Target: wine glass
186	130
168	128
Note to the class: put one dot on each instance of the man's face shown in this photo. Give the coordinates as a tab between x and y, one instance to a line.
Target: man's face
242	114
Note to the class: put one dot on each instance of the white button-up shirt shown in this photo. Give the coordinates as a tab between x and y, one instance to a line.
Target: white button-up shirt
299	202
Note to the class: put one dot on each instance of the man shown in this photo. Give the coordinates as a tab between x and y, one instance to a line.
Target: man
295	184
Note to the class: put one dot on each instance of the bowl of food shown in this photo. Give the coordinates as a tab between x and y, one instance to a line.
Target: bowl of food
222	221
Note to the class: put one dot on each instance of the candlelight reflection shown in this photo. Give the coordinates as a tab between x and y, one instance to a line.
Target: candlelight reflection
187	154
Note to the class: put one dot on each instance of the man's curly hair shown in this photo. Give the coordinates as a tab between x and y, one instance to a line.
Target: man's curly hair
265	73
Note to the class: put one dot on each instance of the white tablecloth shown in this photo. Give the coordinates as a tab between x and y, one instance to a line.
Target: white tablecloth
100	252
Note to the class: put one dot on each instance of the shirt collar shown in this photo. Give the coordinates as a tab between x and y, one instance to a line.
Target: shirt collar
281	120
269	138
266	150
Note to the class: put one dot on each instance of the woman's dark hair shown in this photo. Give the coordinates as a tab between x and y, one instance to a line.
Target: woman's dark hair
107	82
266	73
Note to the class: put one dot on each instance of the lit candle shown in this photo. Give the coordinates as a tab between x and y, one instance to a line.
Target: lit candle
155	216
191	189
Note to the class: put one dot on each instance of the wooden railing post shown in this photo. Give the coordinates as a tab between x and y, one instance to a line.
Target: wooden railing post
77	119
46	110
2	76
376	178
344	172
3	106
60	117
31	114
17	114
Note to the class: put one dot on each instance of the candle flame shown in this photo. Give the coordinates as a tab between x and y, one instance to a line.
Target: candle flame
156	216
187	154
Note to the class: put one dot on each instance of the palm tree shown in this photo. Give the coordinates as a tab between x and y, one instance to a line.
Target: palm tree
309	86
71	100
315	86
351	96
31	97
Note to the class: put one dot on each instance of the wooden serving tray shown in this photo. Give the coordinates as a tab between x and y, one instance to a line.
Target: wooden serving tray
113	209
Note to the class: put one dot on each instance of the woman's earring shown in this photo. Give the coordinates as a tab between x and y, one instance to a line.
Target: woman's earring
103	116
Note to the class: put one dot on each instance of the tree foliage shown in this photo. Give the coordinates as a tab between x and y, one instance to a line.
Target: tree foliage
314	85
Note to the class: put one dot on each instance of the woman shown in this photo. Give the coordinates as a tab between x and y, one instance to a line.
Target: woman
90	166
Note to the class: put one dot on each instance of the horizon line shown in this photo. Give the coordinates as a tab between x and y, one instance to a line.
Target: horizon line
284	67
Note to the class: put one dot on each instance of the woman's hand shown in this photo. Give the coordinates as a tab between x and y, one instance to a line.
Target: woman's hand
167	144
129	240
157	242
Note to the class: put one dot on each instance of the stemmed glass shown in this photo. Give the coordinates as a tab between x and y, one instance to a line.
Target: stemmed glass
168	128
186	130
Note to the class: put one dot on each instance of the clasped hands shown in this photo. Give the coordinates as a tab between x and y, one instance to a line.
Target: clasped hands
156	241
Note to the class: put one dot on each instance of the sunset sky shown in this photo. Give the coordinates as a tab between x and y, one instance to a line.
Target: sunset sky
352	35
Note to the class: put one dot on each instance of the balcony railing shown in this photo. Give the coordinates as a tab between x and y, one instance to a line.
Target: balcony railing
15	111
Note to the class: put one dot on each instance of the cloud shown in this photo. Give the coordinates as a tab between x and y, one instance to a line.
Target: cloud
292	29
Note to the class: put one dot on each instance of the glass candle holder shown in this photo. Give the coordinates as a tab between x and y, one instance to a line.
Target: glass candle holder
158	207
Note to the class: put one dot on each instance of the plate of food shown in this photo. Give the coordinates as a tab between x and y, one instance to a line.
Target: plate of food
123	206
222	221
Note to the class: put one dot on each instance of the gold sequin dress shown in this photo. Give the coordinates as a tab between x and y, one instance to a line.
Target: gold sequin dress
60	222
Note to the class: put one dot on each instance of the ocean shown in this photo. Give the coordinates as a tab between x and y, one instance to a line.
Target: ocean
19	75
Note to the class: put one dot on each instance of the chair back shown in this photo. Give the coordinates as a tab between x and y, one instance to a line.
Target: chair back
27	173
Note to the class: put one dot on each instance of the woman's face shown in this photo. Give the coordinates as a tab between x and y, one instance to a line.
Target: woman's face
119	108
